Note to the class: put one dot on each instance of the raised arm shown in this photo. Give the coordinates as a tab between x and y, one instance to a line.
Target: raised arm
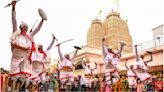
151	57
126	65
77	48
37	29
84	65
95	67
104	48
52	42
136	52
121	47
74	54
14	21
60	54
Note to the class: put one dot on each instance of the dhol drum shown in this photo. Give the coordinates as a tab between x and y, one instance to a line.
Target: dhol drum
66	66
21	41
21	49
37	56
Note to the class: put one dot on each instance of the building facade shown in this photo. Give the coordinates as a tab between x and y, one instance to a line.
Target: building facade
115	30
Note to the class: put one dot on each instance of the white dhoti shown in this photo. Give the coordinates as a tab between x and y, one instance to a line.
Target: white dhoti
141	71
38	67
35	80
20	65
132	79
66	76
88	82
112	76
143	75
66	71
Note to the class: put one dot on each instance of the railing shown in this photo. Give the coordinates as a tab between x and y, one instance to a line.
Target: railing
158	41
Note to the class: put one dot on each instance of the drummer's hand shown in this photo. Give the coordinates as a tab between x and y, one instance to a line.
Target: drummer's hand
135	45
58	44
149	52
17	46
54	37
13	3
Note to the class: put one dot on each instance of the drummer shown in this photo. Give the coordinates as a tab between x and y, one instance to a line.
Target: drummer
22	46
88	74
39	59
66	66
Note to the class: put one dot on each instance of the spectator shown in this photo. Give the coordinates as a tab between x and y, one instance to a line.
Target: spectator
68	85
56	84
102	86
75	87
45	85
124	84
82	83
96	85
154	80
149	87
17	86
139	85
41	88
108	88
51	84
119	88
7	84
3	77
159	85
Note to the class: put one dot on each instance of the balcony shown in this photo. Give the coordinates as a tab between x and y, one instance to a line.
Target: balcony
158	41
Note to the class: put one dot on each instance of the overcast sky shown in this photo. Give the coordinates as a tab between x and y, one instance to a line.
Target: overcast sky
72	19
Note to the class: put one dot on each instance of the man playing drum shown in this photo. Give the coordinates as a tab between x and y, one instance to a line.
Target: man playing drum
22	46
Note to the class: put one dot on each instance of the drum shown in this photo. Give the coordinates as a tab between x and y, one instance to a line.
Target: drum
66	69
66	65
21	41
37	56
37	67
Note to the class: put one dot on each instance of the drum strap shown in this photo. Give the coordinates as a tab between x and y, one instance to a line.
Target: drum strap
33	44
41	51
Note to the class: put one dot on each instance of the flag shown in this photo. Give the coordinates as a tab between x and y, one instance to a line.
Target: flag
99	14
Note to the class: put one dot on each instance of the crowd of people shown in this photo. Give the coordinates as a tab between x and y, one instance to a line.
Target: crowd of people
29	72
79	85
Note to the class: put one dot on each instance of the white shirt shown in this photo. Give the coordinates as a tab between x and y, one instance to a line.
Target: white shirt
37	56
115	61
142	64
82	80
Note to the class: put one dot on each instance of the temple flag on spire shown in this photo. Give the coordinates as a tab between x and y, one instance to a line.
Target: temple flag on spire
99	14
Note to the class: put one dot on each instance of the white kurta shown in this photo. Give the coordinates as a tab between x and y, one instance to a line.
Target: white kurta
141	72
88	77
132	78
19	61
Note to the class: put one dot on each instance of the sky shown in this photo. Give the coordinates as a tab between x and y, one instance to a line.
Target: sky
71	19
